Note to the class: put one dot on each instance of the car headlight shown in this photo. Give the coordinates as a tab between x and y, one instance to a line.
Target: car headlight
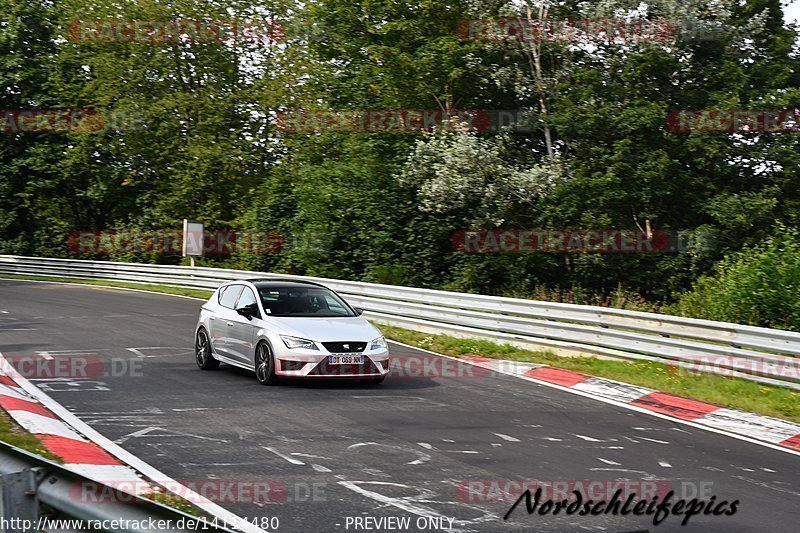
378	344
294	342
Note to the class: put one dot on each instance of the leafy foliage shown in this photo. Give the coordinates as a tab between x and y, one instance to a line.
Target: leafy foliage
758	286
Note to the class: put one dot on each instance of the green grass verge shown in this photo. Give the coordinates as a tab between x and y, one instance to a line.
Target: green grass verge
779	402
15	435
166	289
176	502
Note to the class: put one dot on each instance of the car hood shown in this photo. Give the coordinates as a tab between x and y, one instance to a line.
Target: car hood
328	329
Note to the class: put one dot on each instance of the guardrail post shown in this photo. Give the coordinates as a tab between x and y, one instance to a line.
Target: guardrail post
18	501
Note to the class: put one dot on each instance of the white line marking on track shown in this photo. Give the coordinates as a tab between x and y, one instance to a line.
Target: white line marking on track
664	464
509	438
135	434
655	440
282	456
608	461
589	439
425	445
320	468
166	433
422	457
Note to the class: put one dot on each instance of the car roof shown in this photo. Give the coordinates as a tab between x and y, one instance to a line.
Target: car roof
275	283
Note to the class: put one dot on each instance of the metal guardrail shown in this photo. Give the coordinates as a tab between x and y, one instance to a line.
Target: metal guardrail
32	487
759	354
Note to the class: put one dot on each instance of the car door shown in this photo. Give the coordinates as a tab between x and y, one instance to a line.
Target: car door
222	321
243	331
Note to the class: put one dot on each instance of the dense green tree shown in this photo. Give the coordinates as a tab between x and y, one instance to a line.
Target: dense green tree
192	130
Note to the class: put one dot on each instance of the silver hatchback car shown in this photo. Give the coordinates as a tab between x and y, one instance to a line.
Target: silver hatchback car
296	329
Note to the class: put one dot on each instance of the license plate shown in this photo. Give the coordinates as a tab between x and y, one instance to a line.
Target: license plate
346	359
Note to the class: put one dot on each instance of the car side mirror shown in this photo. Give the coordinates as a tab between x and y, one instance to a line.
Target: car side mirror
358	311
248	311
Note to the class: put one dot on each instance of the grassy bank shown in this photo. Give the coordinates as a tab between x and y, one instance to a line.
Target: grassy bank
15	435
779	402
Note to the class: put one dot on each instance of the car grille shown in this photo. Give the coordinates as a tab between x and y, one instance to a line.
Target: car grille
345	346
325	369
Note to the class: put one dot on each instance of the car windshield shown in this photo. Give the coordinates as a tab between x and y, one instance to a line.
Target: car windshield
303	301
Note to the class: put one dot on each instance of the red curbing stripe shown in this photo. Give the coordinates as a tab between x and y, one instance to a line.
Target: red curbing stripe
565	378
77	451
5	380
15	404
792	442
667	404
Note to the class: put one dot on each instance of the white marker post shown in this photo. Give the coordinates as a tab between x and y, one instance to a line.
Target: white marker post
192	239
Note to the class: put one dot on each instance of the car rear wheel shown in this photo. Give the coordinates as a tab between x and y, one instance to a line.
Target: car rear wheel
265	365
202	351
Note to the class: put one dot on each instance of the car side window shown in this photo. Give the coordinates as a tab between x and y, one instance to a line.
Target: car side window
247	299
231	294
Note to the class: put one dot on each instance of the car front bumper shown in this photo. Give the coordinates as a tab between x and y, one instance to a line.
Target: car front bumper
315	364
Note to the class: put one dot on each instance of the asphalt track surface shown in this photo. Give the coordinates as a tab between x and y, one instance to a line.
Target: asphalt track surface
336	451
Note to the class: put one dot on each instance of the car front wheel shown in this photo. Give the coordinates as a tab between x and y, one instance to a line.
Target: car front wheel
265	365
